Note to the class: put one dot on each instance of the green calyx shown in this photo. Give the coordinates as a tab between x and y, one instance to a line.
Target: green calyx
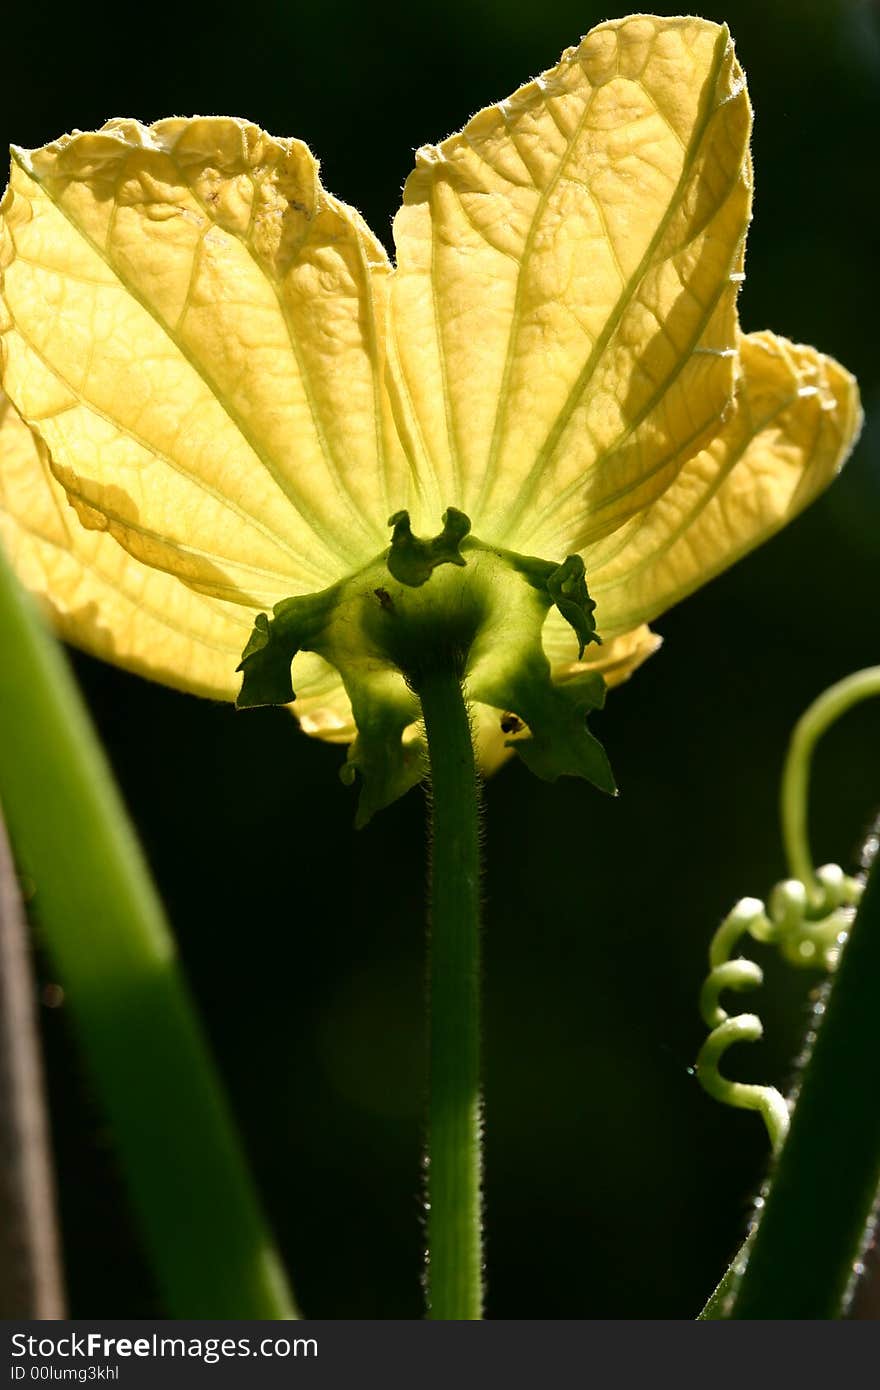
454	602
413	560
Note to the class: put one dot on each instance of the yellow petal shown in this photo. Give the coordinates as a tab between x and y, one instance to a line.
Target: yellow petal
103	600
616	659
322	705
564	311
794	422
233	390
96	594
195	326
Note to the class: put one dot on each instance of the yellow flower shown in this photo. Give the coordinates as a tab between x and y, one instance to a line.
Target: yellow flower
214	362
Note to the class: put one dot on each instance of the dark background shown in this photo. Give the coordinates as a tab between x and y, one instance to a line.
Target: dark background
615	1187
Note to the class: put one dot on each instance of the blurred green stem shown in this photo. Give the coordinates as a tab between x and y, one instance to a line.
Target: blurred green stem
104	927
803	1258
819	1205
455	1254
31	1284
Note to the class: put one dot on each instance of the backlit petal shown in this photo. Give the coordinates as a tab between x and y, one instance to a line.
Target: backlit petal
100	598
225	389
194	325
795	420
563	313
97	595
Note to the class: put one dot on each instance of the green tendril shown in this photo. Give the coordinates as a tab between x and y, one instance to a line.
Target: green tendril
831	705
807	916
807	934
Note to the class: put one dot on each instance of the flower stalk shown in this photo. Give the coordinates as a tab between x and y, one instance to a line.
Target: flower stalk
428	618
454	1158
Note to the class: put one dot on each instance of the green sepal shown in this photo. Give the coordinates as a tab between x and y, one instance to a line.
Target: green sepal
265	663
482	615
381	702
412	560
266	660
387	767
567	587
559	743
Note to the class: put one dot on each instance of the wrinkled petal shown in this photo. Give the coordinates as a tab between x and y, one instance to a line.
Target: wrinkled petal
109	604
795	420
322	705
96	594
563	315
616	659
194	326
225	389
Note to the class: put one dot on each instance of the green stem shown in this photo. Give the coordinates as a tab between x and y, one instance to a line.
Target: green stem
104	927
819	1212
455	1256
816	1216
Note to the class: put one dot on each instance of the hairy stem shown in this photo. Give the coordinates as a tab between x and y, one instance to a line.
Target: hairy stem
455	1256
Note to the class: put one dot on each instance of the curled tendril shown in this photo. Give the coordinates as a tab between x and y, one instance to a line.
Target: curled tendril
808	931
807	916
